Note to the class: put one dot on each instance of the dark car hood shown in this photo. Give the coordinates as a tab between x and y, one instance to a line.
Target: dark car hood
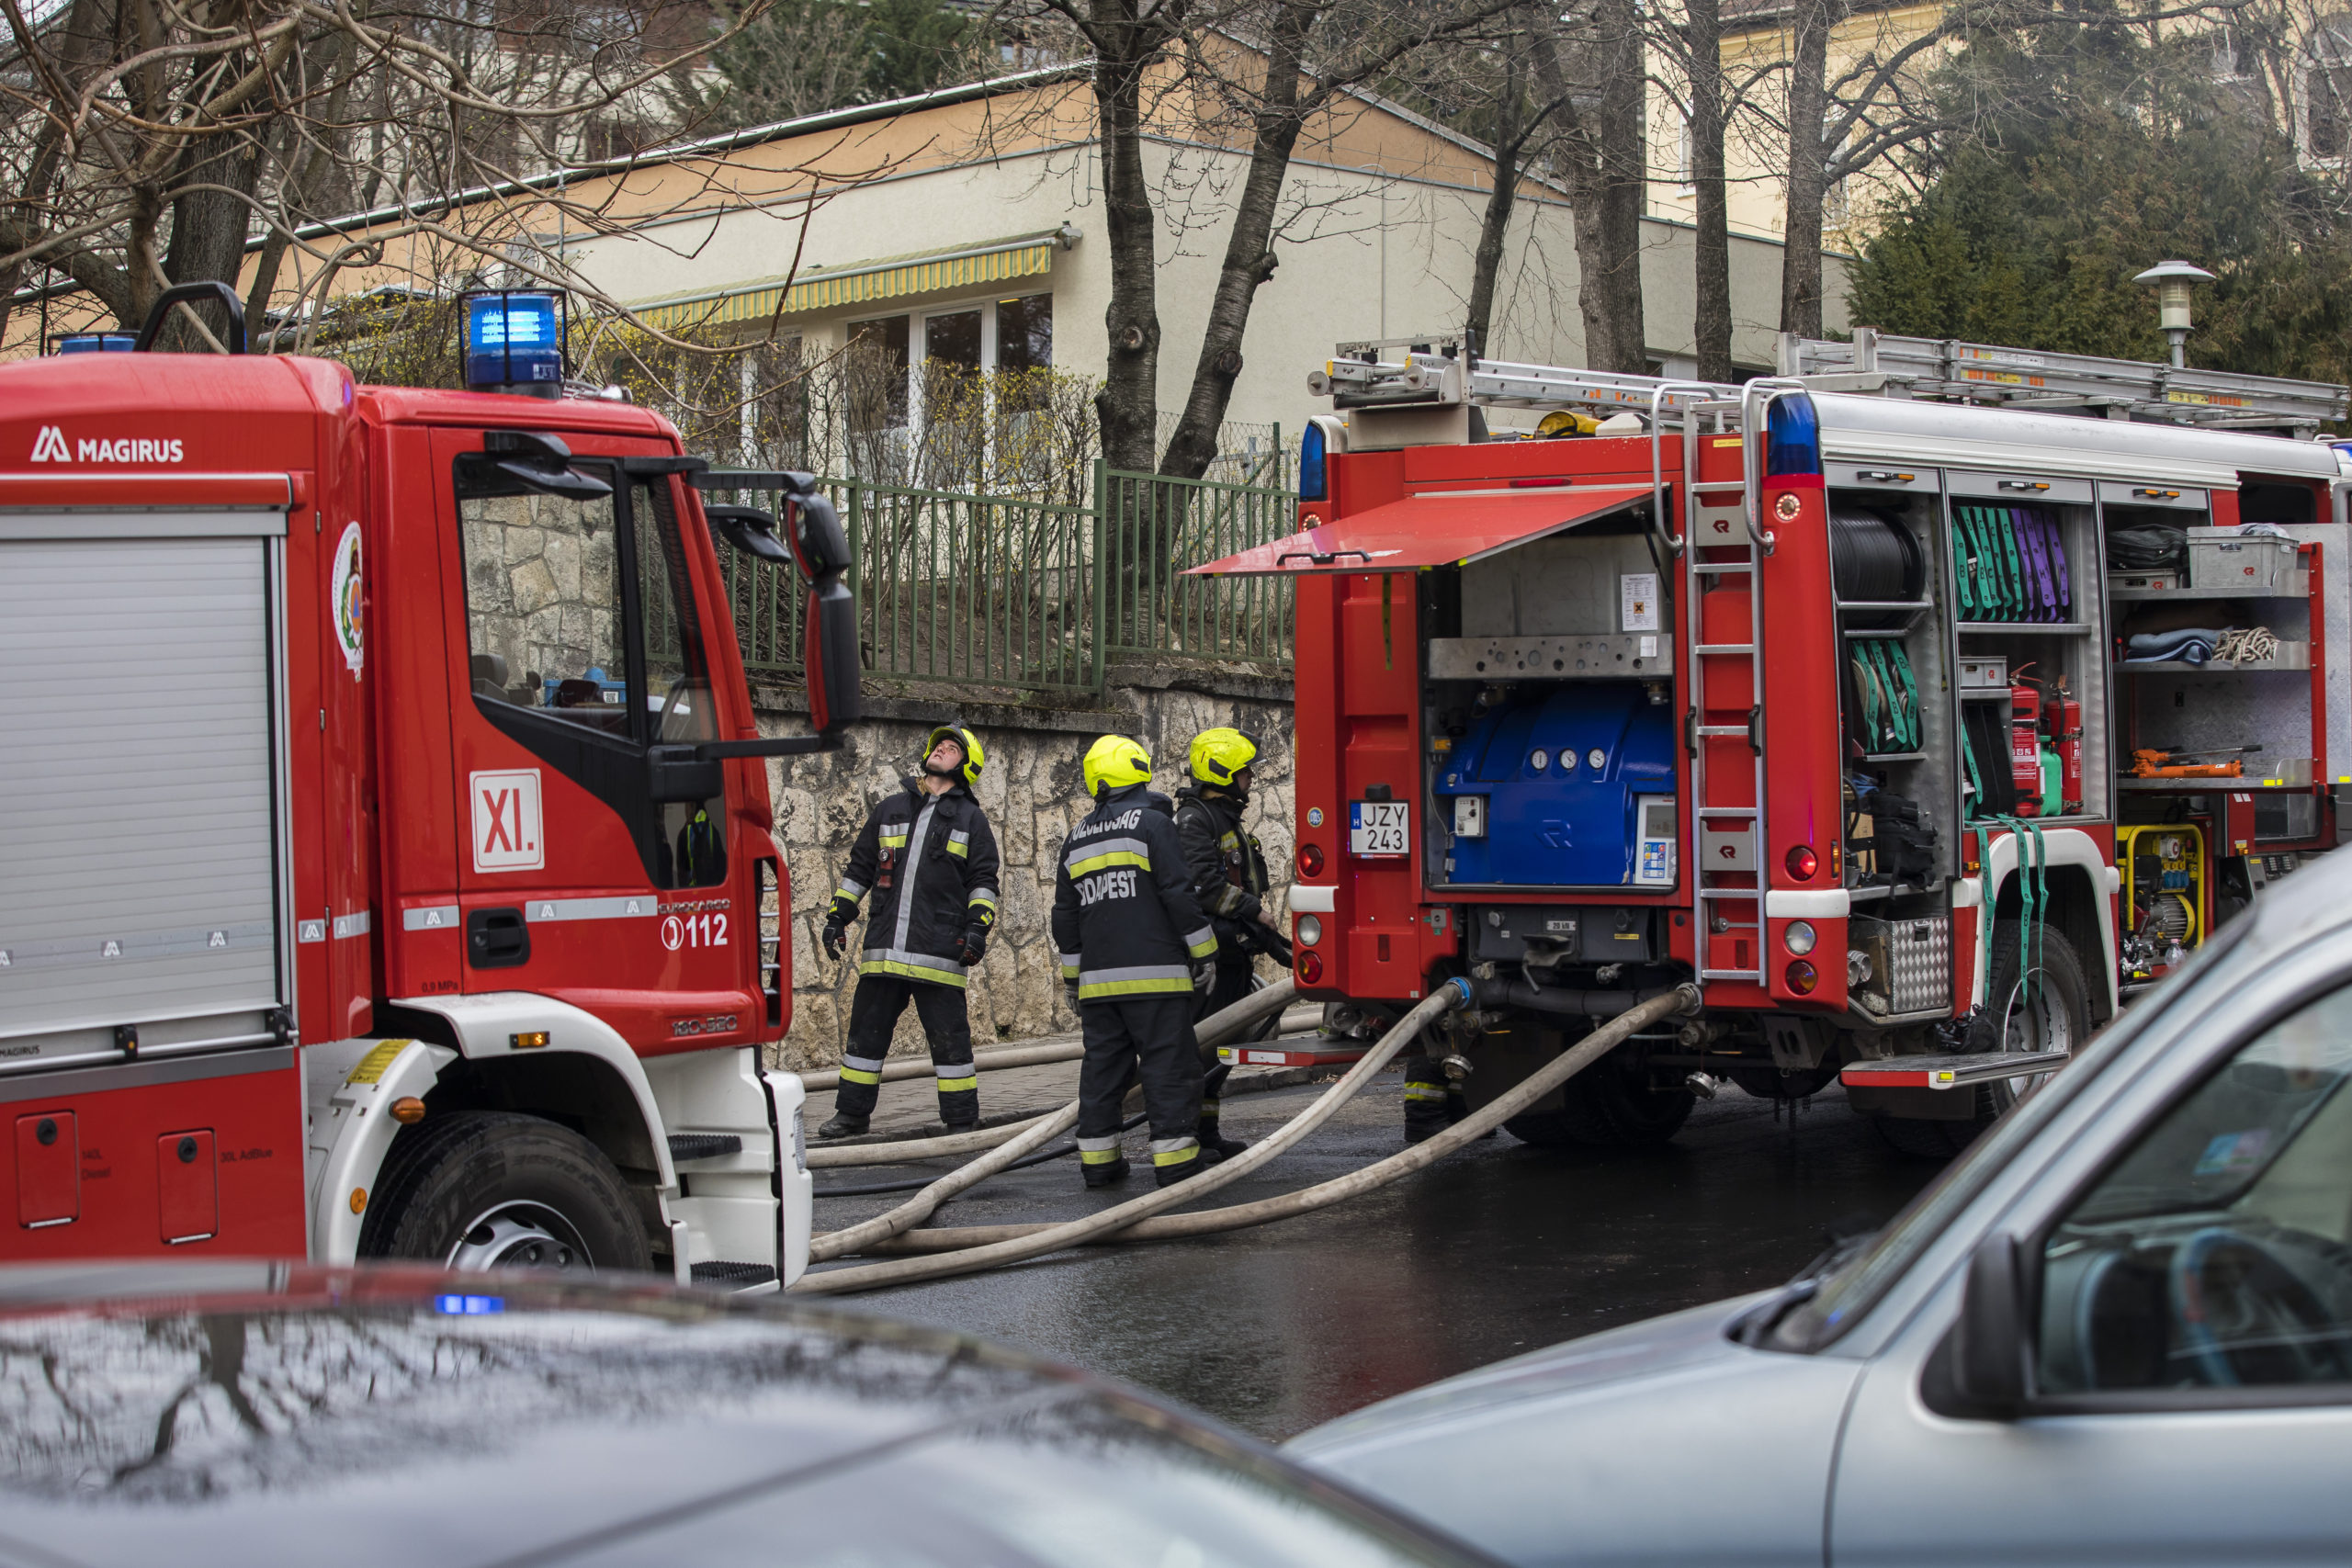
263	1413
403	1422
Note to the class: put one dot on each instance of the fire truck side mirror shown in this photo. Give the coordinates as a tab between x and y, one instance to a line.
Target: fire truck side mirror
829	647
748	529
829	650
543	462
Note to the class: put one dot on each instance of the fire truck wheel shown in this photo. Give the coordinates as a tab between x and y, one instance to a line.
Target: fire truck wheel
492	1189
2057	1018
1610	1105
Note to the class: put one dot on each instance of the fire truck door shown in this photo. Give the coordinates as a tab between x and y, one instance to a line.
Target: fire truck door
581	649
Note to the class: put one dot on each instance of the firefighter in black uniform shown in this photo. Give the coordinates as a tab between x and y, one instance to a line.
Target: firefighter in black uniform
1135	949
1229	879
931	862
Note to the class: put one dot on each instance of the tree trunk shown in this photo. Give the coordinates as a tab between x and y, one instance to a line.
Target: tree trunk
1624	158
1494	229
1607	225
210	224
1808	160
1128	404
1710	246
1249	252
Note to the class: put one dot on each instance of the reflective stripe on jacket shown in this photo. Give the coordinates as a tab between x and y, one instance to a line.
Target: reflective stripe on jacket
1229	868
929	863
1125	919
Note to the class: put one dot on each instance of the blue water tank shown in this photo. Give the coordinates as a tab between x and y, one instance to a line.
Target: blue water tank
1561	775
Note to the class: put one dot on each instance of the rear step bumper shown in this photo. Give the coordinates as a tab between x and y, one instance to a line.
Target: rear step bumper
1948	1071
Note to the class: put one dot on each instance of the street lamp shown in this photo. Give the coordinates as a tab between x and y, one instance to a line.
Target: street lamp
2172	279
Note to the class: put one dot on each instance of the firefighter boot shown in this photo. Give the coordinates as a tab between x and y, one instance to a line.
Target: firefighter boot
844	1125
1429	1101
1179	1165
1102	1160
1211	1139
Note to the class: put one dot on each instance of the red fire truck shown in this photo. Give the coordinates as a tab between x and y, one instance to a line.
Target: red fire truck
1916	728
385	854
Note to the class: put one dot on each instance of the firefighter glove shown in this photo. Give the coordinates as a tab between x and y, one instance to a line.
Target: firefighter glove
1204	974
976	943
1069	990
836	940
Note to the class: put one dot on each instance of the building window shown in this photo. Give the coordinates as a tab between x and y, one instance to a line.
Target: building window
876	370
952	339
2329	112
1024	334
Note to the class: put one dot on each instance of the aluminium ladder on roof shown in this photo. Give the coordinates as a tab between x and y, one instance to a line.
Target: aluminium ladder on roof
1951	370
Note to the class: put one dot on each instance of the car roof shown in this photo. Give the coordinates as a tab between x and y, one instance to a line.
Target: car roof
262	1412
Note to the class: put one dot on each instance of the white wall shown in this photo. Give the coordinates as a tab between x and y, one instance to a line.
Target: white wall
1362	255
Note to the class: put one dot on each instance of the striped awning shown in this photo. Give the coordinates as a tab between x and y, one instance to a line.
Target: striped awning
889	277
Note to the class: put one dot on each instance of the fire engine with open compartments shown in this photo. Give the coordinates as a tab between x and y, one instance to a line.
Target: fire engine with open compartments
386	864
1918	703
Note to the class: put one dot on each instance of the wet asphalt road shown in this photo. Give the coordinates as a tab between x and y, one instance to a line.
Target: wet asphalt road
1496	1251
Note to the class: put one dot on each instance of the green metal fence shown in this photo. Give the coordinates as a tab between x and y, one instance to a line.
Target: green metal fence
1153	529
1000	592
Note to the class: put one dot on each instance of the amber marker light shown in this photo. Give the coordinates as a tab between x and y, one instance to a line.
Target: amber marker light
408	1111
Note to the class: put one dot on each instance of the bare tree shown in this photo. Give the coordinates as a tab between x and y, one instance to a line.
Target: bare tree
1702	45
148	142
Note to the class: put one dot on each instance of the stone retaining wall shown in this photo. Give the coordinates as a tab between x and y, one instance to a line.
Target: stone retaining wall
1031	790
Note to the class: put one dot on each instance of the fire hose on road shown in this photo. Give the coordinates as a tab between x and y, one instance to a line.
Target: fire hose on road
963	1251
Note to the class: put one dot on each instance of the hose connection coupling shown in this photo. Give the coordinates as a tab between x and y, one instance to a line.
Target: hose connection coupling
1463	992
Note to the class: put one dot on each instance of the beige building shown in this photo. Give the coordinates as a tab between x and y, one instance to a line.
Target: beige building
967	225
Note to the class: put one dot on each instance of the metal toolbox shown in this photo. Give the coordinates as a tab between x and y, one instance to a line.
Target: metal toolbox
2226	557
1905	963
1985	674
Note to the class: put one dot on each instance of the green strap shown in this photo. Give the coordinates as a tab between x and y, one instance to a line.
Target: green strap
1964	565
1899	667
1874	698
1976	786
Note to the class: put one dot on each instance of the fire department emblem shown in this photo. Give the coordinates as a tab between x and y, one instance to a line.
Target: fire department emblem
346	595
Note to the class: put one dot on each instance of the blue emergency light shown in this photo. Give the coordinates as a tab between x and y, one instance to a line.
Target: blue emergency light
513	343
1793	439
97	343
1310	463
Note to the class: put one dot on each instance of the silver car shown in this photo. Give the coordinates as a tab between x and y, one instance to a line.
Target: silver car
2118	1331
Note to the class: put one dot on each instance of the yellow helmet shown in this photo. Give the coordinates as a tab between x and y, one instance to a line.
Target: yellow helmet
1218	754
1565	421
1114	762
974	757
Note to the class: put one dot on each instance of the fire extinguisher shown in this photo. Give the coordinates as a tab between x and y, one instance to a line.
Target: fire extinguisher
2025	748
2062	720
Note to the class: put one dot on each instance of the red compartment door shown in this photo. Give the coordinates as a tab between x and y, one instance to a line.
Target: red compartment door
1434	529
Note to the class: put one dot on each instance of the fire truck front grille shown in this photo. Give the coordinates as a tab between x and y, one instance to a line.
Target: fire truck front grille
1919	963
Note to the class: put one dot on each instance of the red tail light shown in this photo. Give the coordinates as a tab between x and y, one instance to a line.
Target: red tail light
1802	977
1310	859
1311	968
1803	863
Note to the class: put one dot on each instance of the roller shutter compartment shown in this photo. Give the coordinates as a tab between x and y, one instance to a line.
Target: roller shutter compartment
137	788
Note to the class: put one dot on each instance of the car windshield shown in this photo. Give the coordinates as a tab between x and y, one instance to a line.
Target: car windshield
1840	1300
1072	1486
